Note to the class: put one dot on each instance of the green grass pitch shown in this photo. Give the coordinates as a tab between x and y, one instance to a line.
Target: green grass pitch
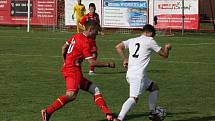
30	78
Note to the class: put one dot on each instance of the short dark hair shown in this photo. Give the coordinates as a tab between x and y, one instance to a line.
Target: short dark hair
92	5
149	28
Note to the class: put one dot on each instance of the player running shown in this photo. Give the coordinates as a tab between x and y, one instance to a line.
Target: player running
140	50
92	16
74	51
80	10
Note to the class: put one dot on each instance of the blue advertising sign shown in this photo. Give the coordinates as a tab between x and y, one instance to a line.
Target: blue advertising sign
126	4
125	14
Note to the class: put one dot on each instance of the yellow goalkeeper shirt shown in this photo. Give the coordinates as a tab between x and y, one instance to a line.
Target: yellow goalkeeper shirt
80	11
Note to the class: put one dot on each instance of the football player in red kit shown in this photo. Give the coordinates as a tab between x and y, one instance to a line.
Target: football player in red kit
87	19
74	51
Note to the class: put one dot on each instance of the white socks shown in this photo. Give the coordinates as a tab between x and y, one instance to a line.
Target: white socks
129	103
153	96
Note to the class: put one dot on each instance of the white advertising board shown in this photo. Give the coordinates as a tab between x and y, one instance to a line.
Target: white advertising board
124	13
169	14
69	8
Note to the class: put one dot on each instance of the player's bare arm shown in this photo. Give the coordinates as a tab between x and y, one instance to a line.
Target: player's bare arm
95	63
73	13
64	50
82	27
120	50
164	52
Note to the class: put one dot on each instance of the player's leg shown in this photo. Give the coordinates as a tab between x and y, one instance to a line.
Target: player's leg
135	91
78	25
152	99
59	103
71	93
92	68
94	50
126	107
153	96
88	86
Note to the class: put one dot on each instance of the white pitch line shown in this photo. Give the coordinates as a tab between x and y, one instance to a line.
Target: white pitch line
117	59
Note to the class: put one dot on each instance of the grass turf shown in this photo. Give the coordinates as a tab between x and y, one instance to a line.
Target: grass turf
30	78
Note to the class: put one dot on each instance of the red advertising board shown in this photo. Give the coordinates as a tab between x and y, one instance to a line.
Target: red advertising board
174	21
14	12
169	14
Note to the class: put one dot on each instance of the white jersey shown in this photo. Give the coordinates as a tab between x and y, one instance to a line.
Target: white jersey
140	49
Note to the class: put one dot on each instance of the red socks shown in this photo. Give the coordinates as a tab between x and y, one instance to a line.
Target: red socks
101	104
60	102
92	68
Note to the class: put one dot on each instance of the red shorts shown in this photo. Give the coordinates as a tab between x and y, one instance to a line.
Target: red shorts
76	81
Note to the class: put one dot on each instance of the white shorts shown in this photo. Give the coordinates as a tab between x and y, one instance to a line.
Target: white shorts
138	85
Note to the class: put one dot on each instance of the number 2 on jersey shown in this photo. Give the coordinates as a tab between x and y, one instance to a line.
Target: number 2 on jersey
138	47
71	46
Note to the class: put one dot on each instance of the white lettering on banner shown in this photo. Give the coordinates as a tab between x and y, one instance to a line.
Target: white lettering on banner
45	5
1	17
20	19
2	6
3	1
125	14
45	16
45	9
43	12
173	6
45	2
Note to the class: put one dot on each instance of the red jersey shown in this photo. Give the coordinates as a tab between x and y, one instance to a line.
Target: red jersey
79	49
88	19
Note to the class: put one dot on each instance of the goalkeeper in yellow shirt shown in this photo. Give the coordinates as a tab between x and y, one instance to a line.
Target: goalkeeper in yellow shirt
79	10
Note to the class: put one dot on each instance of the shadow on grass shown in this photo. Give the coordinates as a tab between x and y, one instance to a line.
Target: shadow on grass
208	118
169	114
131	117
114	114
157	71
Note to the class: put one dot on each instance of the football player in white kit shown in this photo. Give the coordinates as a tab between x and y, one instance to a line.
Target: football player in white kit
140	50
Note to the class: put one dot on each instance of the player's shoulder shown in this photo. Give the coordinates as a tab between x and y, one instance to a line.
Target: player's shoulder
82	5
134	39
76	5
80	36
87	15
96	14
145	38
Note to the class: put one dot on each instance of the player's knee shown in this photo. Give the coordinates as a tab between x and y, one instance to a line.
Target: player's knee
95	55
71	95
93	89
153	87
135	98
